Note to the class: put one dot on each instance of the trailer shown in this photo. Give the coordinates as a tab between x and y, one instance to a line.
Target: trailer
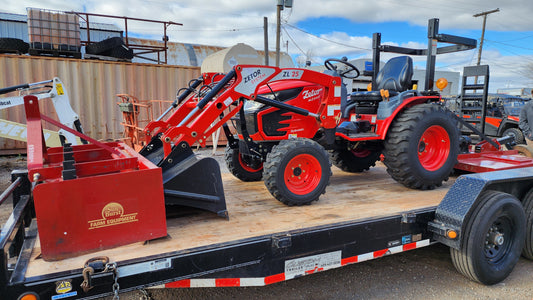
361	217
100	219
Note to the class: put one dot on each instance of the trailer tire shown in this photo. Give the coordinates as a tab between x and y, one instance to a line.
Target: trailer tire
297	171
239	168
516	133
421	146
527	202
492	240
12	44
354	161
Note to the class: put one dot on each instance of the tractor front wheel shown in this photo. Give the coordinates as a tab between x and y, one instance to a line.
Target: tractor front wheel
297	171
421	147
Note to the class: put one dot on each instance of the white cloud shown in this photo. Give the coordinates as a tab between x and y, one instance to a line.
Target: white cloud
227	22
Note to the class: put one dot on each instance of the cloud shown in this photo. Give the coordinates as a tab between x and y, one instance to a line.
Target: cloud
227	22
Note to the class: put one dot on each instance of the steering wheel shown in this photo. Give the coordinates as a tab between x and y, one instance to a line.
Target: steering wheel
350	73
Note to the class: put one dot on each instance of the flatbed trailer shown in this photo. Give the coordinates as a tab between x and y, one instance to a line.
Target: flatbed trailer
361	217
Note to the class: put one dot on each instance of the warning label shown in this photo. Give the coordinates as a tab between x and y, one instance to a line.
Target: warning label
312	264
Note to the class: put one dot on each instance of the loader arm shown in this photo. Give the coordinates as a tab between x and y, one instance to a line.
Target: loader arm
60	100
198	121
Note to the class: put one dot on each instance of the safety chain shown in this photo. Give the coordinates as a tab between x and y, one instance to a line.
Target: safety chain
116	287
99	264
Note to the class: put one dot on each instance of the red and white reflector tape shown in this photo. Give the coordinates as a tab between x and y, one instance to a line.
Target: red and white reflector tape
262	281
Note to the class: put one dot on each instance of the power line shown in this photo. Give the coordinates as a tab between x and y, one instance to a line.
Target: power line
328	40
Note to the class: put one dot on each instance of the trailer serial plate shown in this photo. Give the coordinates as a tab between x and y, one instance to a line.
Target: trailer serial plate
312	264
145	267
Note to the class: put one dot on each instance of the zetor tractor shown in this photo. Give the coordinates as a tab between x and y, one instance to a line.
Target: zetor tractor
287	120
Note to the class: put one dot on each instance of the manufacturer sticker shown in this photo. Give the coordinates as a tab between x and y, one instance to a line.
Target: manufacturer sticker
393	243
64	286
64	296
112	214
406	239
312	264
59	89
332	109
288	74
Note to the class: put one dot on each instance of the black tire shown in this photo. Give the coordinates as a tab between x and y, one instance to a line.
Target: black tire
421	147
516	133
492	240
13	45
353	161
239	168
297	171
527	202
104	47
121	52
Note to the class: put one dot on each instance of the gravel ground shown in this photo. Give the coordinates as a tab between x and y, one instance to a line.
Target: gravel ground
426	273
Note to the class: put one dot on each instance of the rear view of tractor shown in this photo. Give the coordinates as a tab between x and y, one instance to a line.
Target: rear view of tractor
289	125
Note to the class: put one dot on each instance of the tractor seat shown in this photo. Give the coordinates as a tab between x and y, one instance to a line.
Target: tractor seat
395	77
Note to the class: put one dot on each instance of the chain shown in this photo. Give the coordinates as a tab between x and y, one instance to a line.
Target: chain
116	287
145	295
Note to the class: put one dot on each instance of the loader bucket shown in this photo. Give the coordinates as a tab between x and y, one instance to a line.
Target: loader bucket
153	151
193	181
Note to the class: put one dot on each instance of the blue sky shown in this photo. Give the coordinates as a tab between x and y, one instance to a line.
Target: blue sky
344	27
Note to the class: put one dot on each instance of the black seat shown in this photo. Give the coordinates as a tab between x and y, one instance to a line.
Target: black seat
395	77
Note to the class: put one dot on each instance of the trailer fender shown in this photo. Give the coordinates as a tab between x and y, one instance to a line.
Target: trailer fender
460	201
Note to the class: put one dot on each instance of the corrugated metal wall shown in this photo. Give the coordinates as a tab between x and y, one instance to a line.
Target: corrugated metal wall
92	87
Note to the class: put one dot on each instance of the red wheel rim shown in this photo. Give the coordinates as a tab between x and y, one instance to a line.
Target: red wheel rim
247	168
434	148
302	174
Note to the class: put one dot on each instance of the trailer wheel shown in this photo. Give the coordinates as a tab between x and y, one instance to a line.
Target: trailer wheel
297	171
421	147
527	202
492	240
516	133
354	160
240	168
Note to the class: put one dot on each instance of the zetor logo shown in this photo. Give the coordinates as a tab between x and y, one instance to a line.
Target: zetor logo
252	76
113	214
311	93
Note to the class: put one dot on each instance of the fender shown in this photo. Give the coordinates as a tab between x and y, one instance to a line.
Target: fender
459	202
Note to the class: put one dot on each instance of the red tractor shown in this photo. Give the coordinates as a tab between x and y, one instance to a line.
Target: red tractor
287	120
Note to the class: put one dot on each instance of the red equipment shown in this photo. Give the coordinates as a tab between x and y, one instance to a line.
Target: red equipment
288	118
76	188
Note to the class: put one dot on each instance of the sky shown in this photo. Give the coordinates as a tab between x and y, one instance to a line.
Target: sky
315	30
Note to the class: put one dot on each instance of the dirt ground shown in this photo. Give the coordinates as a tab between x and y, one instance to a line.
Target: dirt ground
426	273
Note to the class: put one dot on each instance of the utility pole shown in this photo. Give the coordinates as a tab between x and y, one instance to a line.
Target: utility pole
281	4
484	14
265	29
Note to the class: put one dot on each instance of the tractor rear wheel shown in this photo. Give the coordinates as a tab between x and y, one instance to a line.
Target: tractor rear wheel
241	168
421	147
297	171
354	160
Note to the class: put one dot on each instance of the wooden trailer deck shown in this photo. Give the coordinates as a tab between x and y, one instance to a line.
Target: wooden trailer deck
254	212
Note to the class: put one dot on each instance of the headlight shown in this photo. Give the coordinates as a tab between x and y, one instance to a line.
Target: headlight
252	106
